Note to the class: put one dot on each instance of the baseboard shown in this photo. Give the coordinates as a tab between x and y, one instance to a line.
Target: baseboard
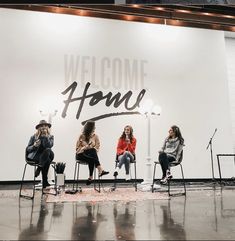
187	180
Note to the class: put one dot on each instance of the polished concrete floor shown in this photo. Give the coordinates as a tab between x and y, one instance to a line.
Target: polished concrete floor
204	214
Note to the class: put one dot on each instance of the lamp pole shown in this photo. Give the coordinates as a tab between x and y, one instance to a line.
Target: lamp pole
148	173
148	110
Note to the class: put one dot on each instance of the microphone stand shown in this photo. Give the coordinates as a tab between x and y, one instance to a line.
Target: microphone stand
210	145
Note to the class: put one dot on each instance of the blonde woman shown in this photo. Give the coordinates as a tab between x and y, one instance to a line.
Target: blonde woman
87	146
39	150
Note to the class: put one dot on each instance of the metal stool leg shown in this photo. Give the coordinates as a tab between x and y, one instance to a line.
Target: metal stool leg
75	180
154	171
27	196
135	177
183	179
22	178
182	193
98	190
53	165
169	187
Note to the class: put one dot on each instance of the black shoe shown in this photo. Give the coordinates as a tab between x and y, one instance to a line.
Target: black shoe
47	184
37	172
103	173
115	173
88	181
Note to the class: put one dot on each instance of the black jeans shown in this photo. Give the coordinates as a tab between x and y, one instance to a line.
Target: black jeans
44	160
164	160
90	157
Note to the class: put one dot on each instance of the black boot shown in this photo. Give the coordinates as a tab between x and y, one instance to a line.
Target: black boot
37	172
44	176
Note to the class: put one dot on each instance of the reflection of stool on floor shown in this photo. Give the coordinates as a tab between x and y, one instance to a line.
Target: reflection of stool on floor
172	164
76	175
33	222
173	225
86	221
227	204
35	165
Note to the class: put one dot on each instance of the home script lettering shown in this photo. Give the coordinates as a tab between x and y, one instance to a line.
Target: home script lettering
110	99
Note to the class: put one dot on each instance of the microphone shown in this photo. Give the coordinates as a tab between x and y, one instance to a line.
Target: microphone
211	139
127	138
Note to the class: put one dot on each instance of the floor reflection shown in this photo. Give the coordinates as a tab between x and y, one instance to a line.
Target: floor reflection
85	225
124	220
202	215
35	228
227	205
171	227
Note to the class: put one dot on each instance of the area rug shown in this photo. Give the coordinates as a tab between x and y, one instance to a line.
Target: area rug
10	193
120	194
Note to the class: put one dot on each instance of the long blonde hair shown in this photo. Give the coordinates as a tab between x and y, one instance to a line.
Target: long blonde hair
38	132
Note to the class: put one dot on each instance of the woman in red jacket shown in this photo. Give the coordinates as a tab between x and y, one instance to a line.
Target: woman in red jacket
126	150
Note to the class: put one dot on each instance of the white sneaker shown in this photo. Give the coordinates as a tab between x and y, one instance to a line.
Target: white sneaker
164	180
128	177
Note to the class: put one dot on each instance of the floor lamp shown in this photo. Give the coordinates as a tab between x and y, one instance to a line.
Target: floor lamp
148	109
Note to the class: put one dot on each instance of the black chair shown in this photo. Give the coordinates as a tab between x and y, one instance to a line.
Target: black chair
35	165
172	164
135	179
76	176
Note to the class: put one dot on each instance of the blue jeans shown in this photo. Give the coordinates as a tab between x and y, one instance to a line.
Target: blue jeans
125	159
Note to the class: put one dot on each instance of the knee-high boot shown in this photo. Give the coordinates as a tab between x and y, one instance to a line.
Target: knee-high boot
45	175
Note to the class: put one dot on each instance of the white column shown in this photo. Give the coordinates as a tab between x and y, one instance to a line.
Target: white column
148	172
148	109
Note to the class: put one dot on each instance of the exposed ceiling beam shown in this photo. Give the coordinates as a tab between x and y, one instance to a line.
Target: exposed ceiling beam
201	16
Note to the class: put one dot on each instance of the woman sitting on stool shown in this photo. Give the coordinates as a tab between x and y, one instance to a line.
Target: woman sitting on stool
39	150
87	146
170	152
125	150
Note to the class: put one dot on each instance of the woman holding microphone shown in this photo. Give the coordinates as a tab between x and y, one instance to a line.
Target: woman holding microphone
125	151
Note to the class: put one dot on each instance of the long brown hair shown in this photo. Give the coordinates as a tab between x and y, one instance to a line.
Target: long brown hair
177	132
88	130
123	136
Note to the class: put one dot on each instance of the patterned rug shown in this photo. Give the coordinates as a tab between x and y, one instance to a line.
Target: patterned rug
120	194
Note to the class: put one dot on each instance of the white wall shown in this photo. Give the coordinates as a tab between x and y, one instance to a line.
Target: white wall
230	60
184	71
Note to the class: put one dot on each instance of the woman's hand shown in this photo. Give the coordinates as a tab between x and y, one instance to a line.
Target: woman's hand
37	143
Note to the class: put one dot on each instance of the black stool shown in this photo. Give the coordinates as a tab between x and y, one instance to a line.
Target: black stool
172	164
35	165
135	179
76	175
